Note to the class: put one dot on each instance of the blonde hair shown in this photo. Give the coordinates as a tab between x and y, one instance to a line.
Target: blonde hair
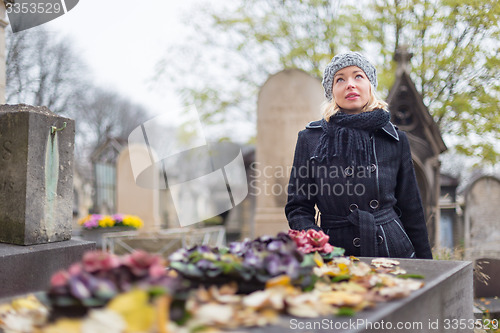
329	108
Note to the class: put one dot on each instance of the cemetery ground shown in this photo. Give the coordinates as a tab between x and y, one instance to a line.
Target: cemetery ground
36	210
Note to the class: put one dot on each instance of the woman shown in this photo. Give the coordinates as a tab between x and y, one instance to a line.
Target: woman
356	167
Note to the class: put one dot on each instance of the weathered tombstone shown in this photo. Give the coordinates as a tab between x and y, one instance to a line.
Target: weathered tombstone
287	102
482	226
133	199
36	198
36	180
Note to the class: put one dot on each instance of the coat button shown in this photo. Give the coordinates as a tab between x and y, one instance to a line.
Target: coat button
373	167
349	171
380	239
353	207
374	204
356	242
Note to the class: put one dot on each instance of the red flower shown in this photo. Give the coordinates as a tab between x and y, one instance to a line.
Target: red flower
75	269
99	261
299	237
327	248
140	263
311	241
317	238
157	270
307	248
59	279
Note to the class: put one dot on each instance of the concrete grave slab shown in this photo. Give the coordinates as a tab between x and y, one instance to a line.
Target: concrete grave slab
26	269
444	304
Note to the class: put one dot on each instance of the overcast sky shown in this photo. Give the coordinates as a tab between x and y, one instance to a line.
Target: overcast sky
122	40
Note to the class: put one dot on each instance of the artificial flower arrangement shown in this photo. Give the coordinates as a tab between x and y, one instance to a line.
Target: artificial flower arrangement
102	293
252	263
249	263
100	276
95	221
143	293
311	241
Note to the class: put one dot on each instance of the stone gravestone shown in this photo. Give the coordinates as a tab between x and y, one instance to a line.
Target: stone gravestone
287	102
482	226
36	198
36	181
133	199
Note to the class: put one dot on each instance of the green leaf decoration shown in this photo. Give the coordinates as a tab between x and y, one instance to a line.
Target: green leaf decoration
346	312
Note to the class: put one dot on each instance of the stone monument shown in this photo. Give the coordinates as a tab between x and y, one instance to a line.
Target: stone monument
36	183
133	199
36	198
482	232
287	102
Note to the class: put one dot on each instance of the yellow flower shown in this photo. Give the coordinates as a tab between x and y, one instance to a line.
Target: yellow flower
64	325
135	308
344	269
318	259
84	219
280	280
106	221
132	221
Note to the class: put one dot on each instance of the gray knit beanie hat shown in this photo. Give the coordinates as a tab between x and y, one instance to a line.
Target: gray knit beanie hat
344	60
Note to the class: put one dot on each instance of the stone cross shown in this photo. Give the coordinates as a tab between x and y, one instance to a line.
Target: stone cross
403	58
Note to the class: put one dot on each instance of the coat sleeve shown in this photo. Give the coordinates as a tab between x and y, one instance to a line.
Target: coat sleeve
299	209
410	203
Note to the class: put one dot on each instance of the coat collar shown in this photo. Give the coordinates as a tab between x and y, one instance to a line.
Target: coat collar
391	130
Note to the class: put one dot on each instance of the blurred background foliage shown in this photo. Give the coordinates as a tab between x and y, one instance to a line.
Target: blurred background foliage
236	45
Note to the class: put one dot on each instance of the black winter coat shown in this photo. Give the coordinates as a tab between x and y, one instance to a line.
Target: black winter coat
372	211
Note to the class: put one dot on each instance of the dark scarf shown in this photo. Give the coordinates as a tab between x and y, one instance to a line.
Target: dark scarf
348	136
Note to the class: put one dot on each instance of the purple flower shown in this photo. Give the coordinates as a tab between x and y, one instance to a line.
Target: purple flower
204	249
181	255
78	288
204	264
275	246
118	217
252	260
239	248
292	266
273	264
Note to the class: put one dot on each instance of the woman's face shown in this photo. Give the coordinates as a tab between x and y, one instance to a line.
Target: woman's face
351	89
